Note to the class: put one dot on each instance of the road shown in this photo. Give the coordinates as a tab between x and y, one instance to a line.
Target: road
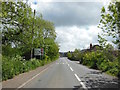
64	73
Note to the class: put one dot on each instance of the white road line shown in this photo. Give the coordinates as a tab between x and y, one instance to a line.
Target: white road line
71	69
77	77
80	82
32	78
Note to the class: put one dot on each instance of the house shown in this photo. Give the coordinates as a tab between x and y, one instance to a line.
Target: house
92	48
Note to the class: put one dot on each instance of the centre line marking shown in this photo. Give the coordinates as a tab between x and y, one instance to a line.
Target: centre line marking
71	69
77	77
80	82
68	65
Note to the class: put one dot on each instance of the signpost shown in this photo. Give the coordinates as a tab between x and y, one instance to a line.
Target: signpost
39	52
42	51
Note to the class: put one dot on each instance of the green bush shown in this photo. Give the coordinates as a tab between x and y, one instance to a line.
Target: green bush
101	59
114	68
113	71
69	55
16	65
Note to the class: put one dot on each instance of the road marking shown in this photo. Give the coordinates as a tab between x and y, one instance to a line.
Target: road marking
32	78
80	81
71	69
77	77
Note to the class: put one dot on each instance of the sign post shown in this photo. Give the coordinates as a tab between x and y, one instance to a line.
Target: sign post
39	52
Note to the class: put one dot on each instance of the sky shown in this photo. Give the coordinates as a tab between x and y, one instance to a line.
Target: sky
75	22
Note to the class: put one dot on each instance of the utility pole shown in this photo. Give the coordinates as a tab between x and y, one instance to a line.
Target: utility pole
32	35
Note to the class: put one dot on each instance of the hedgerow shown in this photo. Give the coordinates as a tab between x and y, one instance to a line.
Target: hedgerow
21	33
99	60
16	65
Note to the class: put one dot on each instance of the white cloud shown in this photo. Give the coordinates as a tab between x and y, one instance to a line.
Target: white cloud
67	14
71	0
73	37
83	16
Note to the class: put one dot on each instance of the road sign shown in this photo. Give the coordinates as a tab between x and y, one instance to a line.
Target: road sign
38	51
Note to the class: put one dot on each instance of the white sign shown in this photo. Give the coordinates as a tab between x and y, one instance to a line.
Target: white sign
37	51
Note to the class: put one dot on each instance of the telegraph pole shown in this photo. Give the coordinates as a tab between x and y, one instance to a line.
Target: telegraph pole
32	35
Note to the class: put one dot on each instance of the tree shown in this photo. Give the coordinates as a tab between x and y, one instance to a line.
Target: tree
110	23
17	24
25	31
69	55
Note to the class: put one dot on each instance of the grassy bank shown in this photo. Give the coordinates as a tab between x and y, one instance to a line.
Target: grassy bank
16	65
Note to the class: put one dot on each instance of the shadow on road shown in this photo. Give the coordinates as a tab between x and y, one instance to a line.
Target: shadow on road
95	80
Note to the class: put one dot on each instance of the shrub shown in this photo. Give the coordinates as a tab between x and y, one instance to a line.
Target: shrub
16	65
100	59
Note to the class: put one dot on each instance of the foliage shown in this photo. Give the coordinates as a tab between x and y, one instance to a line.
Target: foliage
110	23
69	55
16	65
103	60
74	55
22	31
52	50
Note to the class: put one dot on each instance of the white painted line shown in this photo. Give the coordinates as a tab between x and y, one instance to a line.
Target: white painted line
31	78
80	82
63	63
68	65
77	77
71	69
83	85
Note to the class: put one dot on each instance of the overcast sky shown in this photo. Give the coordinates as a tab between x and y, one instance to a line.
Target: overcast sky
75	22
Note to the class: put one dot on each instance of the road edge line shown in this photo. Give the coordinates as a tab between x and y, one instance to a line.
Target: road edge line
83	85
31	78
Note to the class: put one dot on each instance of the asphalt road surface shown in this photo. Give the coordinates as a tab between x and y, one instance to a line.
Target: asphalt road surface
70	74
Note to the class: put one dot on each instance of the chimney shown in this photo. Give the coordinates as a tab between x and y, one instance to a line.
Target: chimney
90	45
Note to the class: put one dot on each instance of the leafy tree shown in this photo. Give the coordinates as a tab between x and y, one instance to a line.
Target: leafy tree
51	48
25	31
110	23
69	55
16	23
